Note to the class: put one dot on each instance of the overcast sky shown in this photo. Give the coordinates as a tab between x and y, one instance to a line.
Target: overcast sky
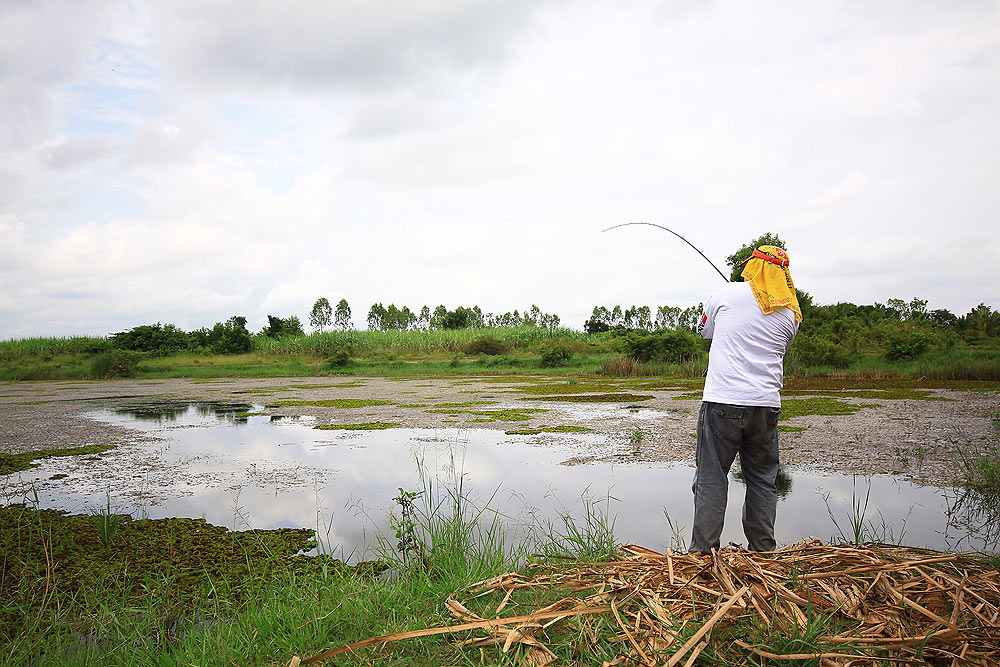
186	161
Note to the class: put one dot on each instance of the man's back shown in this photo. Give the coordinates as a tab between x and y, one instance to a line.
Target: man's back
748	347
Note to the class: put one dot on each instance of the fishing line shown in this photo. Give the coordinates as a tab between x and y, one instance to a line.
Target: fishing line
650	224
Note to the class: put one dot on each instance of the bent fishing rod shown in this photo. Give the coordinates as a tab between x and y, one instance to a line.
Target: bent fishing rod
650	224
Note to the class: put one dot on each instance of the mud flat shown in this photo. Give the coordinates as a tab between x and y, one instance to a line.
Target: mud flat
913	438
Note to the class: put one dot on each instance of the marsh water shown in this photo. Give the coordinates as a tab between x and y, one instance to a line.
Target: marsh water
244	470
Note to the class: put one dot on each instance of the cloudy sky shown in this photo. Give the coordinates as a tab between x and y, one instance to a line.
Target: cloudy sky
186	161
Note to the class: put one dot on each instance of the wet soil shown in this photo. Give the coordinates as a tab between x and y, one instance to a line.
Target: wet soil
918	440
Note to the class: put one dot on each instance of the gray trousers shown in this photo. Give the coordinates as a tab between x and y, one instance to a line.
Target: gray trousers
724	431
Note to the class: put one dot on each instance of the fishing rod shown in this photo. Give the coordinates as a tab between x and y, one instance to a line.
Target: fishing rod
650	224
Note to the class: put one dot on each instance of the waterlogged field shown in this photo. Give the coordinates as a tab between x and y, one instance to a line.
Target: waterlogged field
444	480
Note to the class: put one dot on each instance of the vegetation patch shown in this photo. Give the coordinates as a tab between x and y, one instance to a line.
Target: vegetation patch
801	407
889	394
14	462
785	428
595	398
337	403
571	387
365	426
509	415
548	429
31	402
185	561
689	396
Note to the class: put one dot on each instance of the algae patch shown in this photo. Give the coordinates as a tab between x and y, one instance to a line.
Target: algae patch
10	463
366	426
548	429
337	403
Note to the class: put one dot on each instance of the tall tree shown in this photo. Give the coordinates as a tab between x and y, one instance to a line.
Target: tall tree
342	315
737	258
321	315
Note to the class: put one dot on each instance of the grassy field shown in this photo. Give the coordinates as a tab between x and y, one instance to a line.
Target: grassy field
446	352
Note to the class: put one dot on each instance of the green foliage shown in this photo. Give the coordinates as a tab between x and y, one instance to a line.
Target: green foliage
155	339
106	521
555	354
321	315
278	327
115	364
342	315
488	345
737	258
906	345
818	350
22	461
666	346
229	337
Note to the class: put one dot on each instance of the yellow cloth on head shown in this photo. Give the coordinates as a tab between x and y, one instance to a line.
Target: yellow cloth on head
772	283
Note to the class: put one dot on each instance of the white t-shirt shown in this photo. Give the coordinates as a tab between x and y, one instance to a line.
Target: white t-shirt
745	365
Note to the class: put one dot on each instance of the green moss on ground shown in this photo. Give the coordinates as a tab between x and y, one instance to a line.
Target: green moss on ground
623	397
509	415
365	426
801	407
337	403
14	462
548	429
197	559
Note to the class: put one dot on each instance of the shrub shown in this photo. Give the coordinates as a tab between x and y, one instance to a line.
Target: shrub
339	354
156	339
819	351
555	354
487	345
230	337
671	346
115	364
906	345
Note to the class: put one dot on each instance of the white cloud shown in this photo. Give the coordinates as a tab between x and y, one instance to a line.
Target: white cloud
187	161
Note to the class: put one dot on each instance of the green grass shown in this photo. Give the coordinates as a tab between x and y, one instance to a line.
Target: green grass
365	426
10	463
548	429
336	403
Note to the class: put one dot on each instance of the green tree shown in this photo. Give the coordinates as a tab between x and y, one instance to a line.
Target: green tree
737	258
342	315
321	315
277	326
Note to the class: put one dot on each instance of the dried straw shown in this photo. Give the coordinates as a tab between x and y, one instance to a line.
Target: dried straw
853	605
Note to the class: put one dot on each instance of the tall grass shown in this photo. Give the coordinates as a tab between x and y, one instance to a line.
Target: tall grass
433	341
20	348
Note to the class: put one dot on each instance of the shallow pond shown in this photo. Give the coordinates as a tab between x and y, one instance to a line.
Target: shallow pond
240	471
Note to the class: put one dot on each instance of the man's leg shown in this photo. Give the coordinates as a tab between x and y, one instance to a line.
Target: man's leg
718	441
759	460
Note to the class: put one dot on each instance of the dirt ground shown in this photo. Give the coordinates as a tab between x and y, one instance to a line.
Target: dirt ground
914	439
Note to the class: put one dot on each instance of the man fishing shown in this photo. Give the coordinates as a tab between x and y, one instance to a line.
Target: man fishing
752	325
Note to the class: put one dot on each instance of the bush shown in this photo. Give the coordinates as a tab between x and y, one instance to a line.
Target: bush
819	351
487	345
339	354
115	364
156	339
906	345
555	354
230	337
670	346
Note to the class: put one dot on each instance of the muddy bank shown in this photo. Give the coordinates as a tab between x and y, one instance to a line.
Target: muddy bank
912	438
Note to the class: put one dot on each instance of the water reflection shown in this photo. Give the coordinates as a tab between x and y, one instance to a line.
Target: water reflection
783	481
172	411
243	470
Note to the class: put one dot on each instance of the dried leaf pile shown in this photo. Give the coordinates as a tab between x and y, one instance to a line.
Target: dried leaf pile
809	603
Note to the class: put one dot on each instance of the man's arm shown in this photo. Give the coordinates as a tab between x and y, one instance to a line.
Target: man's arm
706	323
